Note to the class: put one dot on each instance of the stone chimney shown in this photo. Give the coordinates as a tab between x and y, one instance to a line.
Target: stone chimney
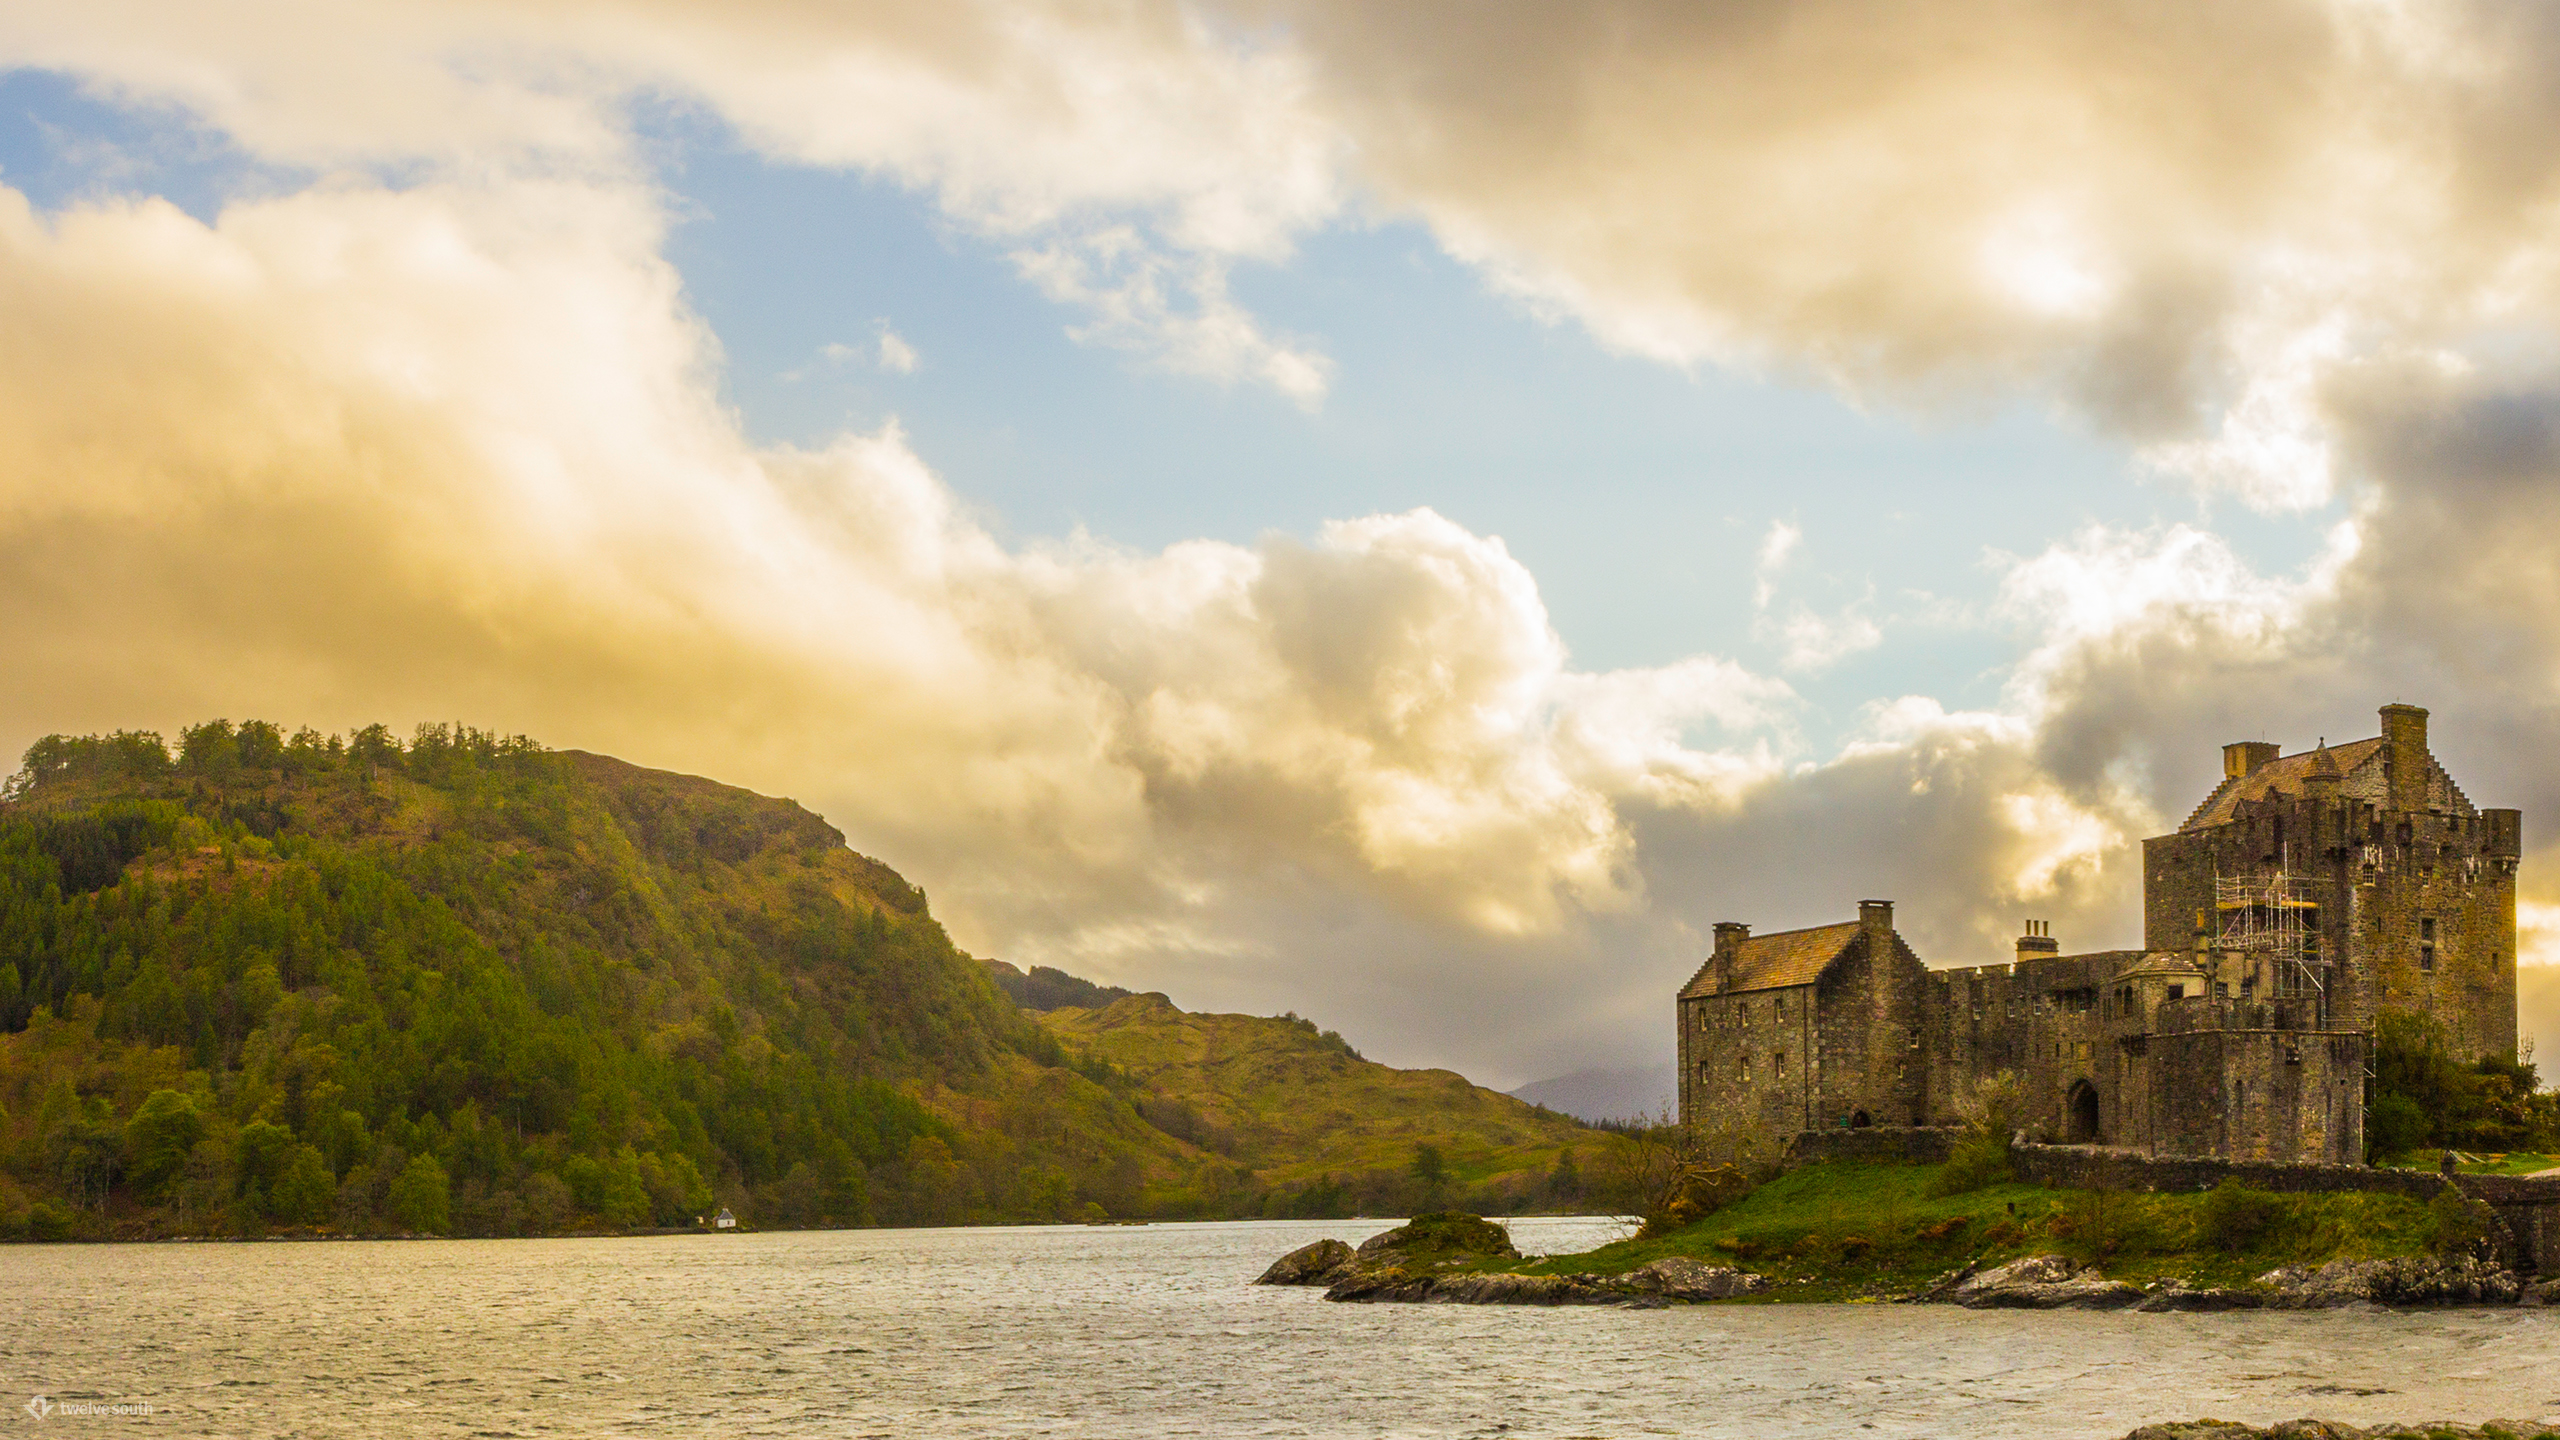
2038	942
1729	937
1876	918
2244	757
2404	747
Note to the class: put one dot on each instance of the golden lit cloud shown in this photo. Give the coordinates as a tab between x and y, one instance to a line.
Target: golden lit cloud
432	433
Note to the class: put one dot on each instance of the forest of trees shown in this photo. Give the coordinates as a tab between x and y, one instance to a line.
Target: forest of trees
465	984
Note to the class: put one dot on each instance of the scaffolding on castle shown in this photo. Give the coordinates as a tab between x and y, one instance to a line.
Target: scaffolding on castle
2270	915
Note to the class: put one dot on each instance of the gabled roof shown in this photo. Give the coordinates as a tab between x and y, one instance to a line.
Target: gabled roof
2284	775
1774	961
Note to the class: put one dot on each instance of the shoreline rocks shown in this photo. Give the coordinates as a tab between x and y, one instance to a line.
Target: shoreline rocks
2407	1280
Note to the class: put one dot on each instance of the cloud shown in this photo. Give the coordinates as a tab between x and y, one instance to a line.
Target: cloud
1131	154
1808	642
437	435
895	355
458	450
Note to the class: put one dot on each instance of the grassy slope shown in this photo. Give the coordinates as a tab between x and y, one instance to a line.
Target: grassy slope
1276	1097
1851	1230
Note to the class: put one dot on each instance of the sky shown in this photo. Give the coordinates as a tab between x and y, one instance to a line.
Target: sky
1403	514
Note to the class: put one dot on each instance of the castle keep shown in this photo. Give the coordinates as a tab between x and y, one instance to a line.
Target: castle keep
2306	895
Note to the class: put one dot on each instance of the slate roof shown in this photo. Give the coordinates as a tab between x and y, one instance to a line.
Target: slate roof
2282	775
1777	960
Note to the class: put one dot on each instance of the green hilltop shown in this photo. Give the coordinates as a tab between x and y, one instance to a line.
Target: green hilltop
1300	1109
465	984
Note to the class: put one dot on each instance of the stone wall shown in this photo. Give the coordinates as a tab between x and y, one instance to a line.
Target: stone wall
1745	1073
2090	1167
1870	1031
1881	1144
2528	1206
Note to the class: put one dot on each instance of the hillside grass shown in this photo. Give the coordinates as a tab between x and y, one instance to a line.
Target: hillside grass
1849	1230
1305	1114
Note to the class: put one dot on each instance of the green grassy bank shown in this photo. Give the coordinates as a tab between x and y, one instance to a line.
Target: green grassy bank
1852	1230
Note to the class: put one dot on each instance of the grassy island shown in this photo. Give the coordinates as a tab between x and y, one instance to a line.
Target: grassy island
1863	1231
1848	1230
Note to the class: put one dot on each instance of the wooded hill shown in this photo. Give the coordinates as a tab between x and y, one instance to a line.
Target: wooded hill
466	984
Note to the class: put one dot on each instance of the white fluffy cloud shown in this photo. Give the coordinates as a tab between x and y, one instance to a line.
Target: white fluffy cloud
435	434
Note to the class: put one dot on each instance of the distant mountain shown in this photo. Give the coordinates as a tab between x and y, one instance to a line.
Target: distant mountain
1595	1095
1298	1111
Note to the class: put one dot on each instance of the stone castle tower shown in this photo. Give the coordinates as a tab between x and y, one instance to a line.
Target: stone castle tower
2307	894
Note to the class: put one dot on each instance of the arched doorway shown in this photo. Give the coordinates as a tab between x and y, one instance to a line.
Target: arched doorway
2080	1108
1860	1121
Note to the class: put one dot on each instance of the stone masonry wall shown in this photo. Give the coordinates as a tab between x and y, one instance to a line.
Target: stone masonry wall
1744	1072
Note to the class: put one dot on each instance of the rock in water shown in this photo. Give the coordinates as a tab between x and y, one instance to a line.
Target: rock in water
1319	1264
2041	1282
1678	1277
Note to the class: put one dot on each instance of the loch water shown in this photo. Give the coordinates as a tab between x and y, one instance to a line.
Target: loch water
1127	1331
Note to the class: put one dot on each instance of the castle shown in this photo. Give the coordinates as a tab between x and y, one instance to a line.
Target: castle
2307	894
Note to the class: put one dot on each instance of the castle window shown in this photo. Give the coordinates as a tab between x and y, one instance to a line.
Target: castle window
2426	957
2426	927
1778	1063
1742	1066
1781	1004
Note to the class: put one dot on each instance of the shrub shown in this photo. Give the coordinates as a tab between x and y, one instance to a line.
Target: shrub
1981	1156
2459	1226
2235	1217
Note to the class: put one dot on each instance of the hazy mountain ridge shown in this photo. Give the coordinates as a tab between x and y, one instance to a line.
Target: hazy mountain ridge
1641	1092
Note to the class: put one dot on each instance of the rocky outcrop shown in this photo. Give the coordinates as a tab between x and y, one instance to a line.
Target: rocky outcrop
1428	1262
2038	1282
2336	1431
1660	1283
2404	1280
1439	1239
1321	1263
2179	1296
2055	1282
1677	1277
